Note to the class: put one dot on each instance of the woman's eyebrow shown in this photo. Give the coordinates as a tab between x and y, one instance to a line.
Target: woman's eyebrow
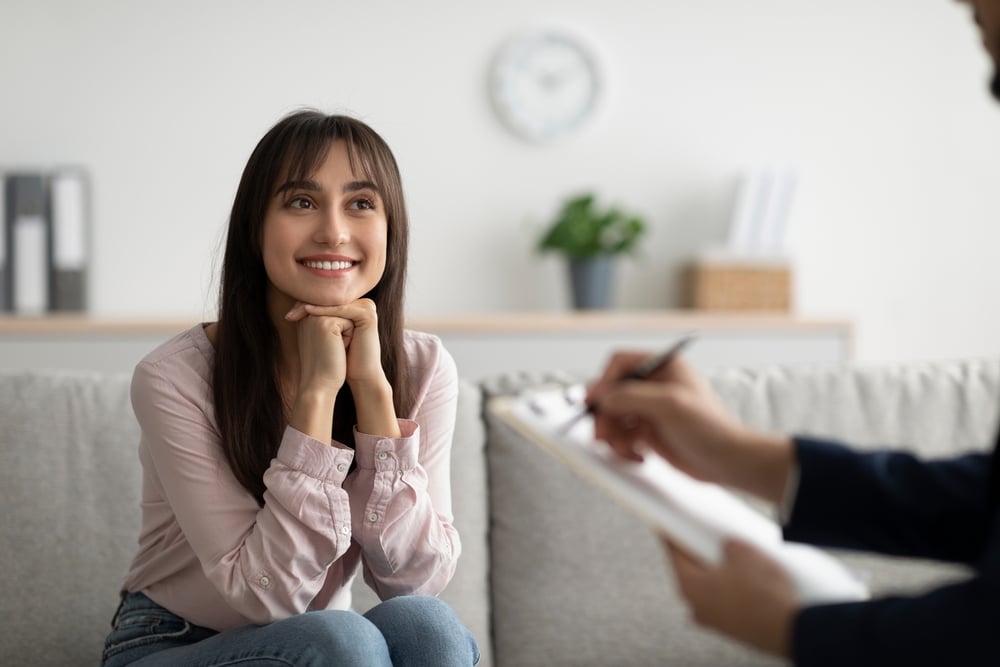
310	185
313	186
354	186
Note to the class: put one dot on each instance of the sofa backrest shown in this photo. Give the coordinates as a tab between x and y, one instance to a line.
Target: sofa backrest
70	475
70	480
933	408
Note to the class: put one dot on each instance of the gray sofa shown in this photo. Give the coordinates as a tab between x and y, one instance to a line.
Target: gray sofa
552	573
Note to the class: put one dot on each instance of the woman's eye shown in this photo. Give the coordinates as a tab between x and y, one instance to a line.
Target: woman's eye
364	204
300	202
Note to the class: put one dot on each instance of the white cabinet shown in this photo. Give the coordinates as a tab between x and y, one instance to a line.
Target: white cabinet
481	344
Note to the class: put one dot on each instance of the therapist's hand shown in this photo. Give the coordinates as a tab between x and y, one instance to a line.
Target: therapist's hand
748	597
676	414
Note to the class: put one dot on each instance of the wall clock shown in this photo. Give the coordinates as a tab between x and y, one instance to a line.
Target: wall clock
544	85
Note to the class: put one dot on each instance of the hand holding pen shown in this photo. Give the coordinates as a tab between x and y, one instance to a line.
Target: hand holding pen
674	413
671	411
642	370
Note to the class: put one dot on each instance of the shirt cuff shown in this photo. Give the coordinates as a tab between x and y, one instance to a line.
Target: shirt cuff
791	493
382	454
299	451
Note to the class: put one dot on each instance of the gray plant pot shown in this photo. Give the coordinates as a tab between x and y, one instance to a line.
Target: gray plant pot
592	281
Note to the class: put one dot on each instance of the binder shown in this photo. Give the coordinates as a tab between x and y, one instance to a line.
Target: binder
69	260
5	280
28	243
696	515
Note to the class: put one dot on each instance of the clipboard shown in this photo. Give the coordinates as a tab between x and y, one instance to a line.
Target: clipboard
696	515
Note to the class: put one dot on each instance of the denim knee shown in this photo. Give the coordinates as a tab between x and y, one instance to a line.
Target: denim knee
423	630
343	636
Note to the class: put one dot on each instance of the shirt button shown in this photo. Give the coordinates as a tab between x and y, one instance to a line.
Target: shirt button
341	467
382	456
373	517
345	529
265	581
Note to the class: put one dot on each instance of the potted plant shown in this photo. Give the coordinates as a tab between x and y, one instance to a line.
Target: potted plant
591	237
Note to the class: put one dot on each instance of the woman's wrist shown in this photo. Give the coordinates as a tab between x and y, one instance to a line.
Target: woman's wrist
373	402
377	389
312	413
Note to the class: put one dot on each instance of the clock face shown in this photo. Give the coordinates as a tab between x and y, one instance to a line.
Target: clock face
544	85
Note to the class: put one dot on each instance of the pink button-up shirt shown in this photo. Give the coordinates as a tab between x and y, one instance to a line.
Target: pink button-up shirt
210	554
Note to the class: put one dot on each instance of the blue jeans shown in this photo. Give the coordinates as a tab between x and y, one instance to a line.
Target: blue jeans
408	630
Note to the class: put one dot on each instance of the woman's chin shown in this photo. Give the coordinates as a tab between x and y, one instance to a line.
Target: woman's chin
326	300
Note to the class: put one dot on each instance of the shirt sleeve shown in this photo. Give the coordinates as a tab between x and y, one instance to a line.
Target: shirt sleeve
401	494
266	562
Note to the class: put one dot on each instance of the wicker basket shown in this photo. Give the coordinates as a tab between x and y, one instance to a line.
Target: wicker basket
736	286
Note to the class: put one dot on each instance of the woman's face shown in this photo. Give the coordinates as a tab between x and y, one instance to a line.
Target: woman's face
324	238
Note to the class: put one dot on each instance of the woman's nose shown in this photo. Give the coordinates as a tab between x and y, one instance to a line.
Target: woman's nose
332	229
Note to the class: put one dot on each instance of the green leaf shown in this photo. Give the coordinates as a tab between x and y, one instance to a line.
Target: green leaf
583	230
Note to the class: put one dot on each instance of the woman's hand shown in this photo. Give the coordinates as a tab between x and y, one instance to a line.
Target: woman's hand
359	358
748	597
322	345
676	414
340	344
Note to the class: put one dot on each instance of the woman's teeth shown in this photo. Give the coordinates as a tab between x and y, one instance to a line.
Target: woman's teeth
328	266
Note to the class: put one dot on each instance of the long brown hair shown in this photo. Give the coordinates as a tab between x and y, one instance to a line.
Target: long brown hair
248	401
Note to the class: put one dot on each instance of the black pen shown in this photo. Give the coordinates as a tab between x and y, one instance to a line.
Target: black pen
642	371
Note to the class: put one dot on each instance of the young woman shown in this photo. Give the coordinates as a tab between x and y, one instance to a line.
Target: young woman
302	435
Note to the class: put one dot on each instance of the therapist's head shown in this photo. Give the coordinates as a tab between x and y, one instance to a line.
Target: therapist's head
987	16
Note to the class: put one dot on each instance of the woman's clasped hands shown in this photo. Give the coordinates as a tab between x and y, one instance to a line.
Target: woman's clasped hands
338	344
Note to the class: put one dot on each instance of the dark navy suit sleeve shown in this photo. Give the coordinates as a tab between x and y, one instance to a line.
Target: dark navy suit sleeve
894	503
891	502
951	625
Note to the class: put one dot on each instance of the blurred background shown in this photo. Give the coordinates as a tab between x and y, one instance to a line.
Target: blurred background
882	106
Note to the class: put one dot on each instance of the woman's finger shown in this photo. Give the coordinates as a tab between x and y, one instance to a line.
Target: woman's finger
297	312
358	311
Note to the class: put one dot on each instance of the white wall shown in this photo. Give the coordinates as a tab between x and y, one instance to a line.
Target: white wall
882	103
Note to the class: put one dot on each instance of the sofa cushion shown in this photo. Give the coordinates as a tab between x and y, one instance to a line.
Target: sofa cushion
69	474
577	580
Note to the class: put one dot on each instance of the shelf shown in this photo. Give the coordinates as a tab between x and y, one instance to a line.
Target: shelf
511	322
481	344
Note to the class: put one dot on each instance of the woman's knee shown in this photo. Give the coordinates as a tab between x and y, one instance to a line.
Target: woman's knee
413	610
338	637
424	625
